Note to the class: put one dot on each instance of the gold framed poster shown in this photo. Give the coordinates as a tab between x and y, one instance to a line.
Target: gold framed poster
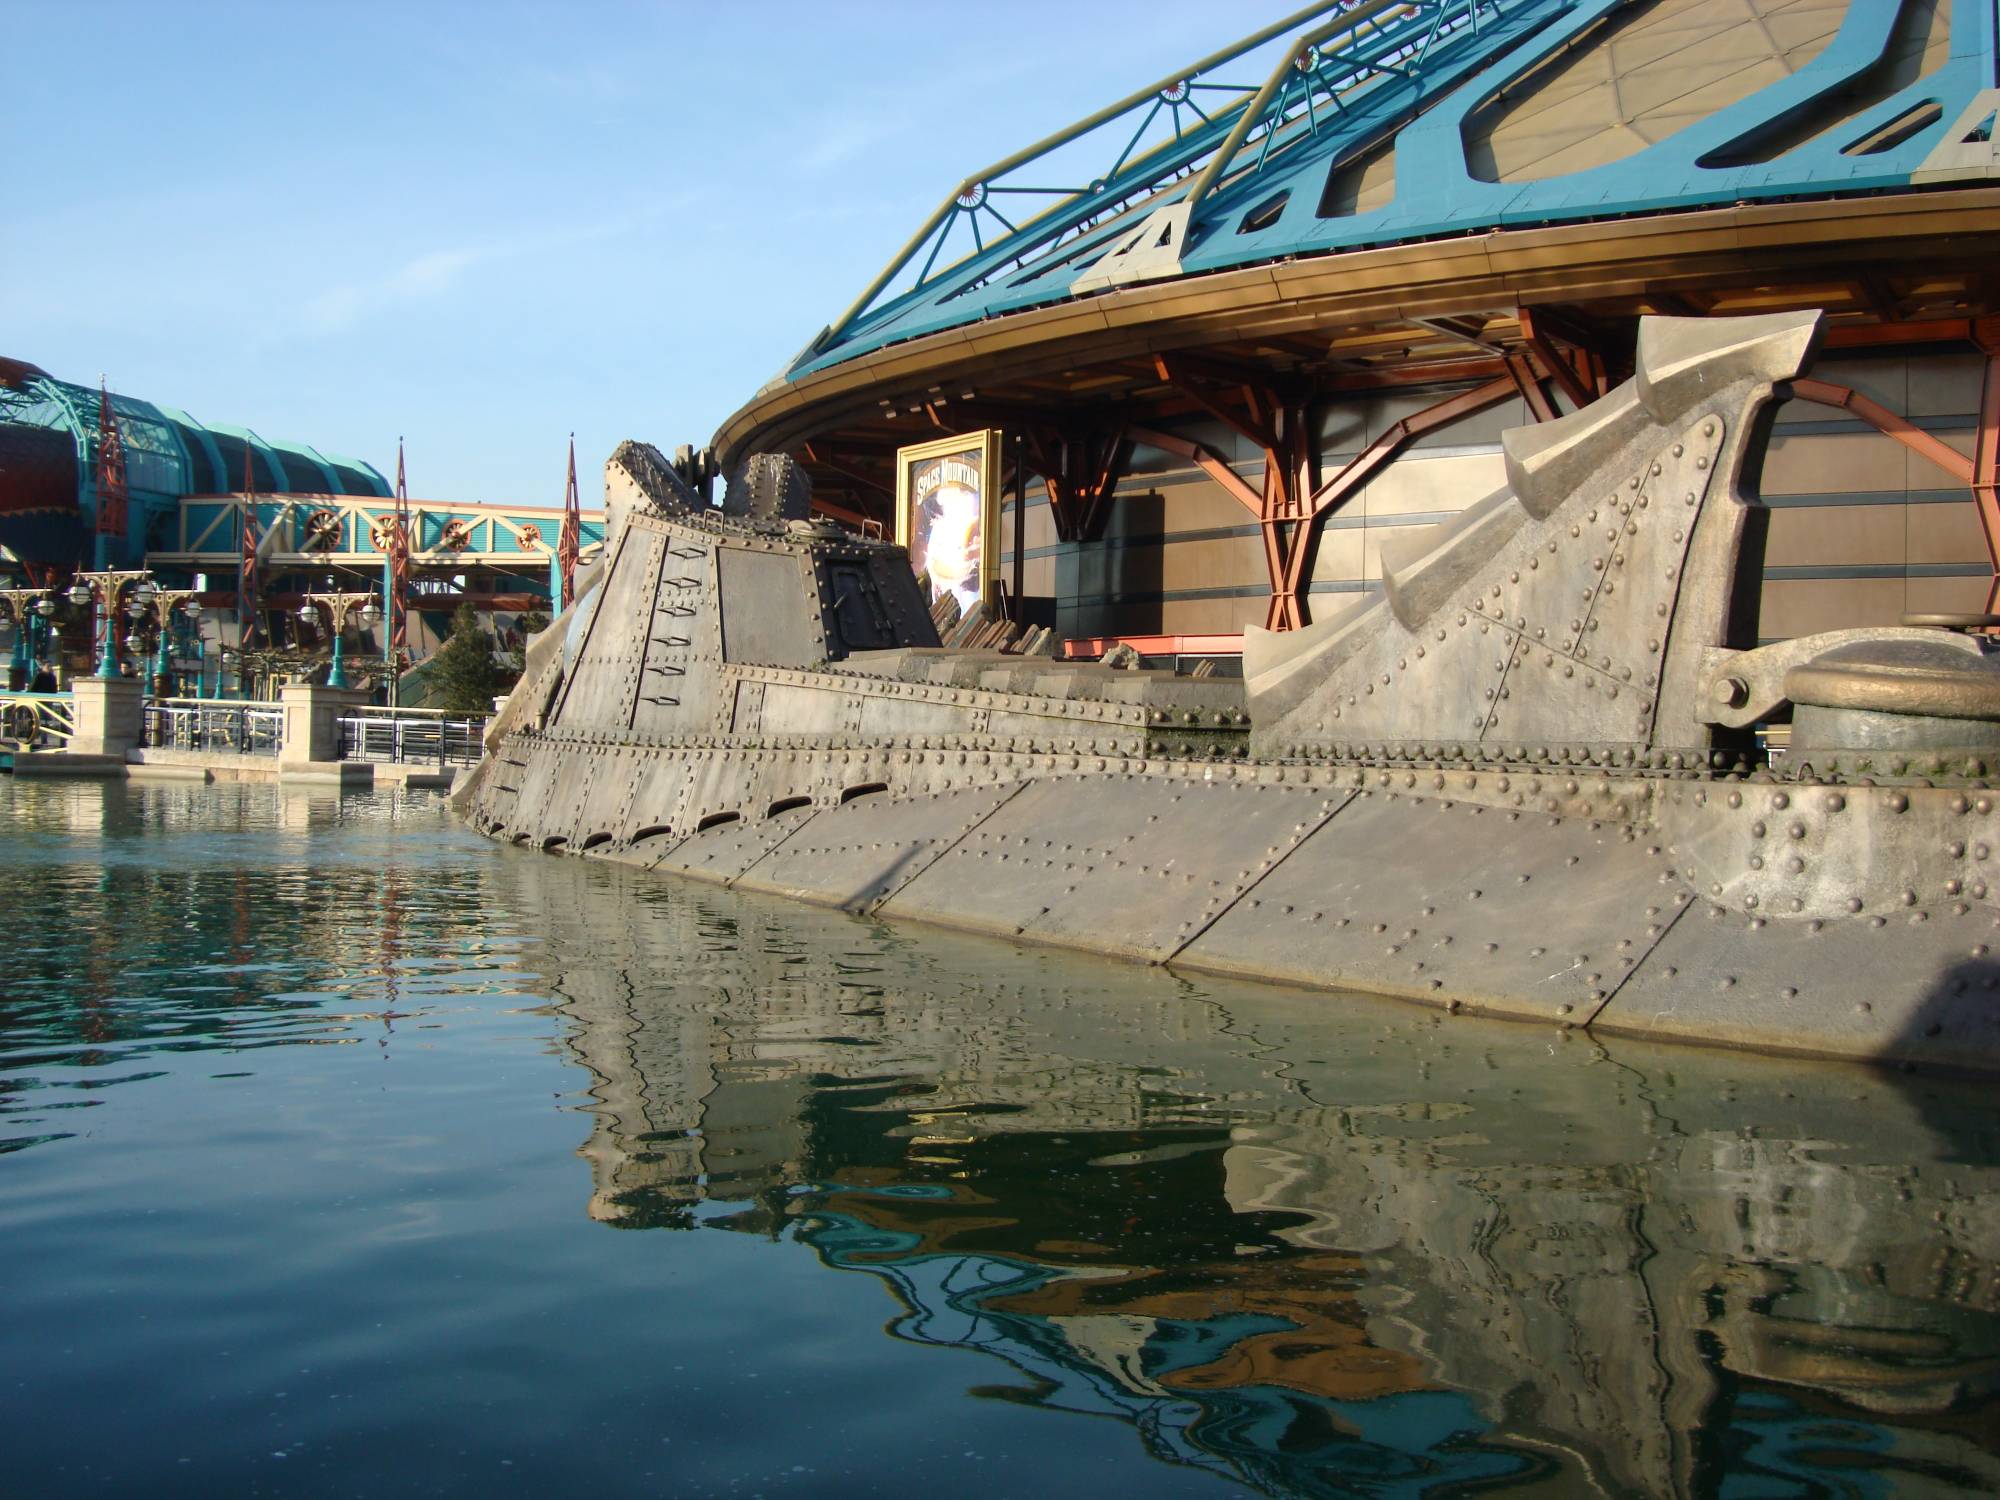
948	513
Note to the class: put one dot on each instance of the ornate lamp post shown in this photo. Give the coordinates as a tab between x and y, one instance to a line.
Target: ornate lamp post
24	608
336	608
45	609
168	603
107	586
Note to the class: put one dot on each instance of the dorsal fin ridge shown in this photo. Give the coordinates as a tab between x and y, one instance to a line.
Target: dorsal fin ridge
1574	603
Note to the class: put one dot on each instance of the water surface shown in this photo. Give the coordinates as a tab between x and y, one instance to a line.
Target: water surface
342	1153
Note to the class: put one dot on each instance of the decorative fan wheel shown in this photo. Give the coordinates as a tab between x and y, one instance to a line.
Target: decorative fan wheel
528	537
323	531
457	536
383	533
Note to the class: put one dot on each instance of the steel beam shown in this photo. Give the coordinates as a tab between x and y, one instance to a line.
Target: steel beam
1986	452
1884	421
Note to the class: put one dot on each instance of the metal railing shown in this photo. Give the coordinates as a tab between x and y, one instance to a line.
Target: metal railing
412	736
230	728
37	719
1337	48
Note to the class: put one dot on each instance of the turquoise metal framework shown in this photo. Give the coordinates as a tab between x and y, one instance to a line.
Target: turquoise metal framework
517	538
1252	163
170	455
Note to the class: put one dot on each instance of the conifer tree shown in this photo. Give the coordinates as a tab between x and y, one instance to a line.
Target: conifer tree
463	675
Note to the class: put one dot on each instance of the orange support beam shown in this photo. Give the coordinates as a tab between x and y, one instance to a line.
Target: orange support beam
1528	381
1946	457
1981	471
1926	331
1359	469
1288	511
1277	427
845	516
1209	462
1572	378
1986	452
1080	473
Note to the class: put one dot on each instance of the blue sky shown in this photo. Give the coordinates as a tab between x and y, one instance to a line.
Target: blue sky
483	226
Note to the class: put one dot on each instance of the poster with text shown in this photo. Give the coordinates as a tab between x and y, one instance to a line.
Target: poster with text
948	514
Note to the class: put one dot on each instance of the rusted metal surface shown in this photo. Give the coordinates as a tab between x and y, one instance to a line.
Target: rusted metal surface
1986	451
1523	780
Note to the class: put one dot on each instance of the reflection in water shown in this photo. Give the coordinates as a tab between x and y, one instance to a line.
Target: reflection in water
1303	1247
1311	1250
187	918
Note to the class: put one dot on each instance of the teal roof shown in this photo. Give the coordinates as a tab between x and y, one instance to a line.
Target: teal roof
1264	168
170	454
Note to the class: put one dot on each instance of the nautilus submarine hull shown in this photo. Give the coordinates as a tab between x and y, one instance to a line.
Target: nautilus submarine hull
1524	779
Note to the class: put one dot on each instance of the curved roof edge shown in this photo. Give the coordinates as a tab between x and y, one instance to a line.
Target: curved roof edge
1250	183
169	452
1499	267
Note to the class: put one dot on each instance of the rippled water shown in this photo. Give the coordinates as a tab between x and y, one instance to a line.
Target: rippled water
344	1154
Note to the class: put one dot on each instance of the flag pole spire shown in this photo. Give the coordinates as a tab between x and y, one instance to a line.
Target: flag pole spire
569	544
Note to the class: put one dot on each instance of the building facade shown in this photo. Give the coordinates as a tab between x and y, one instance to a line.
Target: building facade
1304	283
249	527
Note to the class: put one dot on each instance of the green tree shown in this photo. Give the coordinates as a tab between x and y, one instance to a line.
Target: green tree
464	677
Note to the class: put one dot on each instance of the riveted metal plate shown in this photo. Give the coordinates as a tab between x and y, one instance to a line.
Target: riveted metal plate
568	795
515	792
1549	626
1916	985
879	714
1124	864
747	783
1832	851
605	683
602	807
803	708
547	767
1513	913
657	796
770	608
675	686
865	850
722	853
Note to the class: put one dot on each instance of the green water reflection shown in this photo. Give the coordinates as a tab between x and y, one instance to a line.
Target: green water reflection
1287	1245
1313	1249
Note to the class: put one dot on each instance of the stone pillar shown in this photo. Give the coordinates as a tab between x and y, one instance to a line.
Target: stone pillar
109	720
312	725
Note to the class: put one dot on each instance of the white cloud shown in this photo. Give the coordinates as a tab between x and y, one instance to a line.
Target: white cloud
428	275
436	272
843	139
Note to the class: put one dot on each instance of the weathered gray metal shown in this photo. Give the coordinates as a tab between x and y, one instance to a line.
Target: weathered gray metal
1899	695
769	487
1523	780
